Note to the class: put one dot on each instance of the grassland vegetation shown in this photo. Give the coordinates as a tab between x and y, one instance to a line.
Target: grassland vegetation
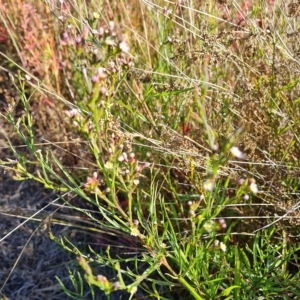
171	129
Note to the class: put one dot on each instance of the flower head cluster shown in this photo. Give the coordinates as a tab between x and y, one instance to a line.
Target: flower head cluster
221	245
251	185
222	223
124	163
209	226
92	183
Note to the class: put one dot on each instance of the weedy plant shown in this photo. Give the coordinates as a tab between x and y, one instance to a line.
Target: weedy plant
183	120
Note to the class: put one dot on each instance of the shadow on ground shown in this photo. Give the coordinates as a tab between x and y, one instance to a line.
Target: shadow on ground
29	259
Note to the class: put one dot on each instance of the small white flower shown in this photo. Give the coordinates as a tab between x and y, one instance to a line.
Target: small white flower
125	156
102	73
72	113
208	226
110	41
134	231
223	247
101	31
96	15
108	165
111	25
208	185
136	181
253	188
236	152
132	289
124	47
